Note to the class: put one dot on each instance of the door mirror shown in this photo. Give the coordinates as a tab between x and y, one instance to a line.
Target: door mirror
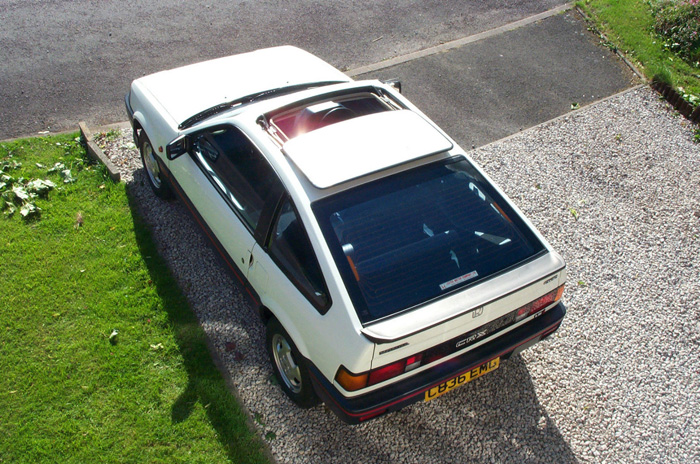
395	83
179	146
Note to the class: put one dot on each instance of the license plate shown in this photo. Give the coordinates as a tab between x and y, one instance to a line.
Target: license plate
462	379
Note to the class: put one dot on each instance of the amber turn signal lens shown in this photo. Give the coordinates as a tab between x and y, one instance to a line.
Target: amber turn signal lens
560	292
350	381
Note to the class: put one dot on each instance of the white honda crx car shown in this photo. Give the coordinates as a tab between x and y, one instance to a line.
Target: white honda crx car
387	267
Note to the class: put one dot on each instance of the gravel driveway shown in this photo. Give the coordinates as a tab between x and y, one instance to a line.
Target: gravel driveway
615	188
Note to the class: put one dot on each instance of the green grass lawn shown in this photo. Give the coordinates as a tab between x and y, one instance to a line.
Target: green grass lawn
628	24
72	276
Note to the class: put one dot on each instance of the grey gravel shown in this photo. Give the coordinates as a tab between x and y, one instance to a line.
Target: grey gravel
615	188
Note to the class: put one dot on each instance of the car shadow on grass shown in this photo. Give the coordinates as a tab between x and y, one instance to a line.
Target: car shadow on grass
206	385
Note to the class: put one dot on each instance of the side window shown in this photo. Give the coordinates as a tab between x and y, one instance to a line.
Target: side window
291	249
238	170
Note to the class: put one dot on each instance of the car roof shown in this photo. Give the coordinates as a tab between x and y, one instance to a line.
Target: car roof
364	145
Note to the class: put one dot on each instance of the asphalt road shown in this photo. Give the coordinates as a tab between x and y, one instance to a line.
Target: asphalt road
70	60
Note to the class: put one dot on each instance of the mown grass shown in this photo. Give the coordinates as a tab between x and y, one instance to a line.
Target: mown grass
628	24
71	277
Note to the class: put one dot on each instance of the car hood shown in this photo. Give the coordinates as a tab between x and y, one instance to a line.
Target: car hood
188	90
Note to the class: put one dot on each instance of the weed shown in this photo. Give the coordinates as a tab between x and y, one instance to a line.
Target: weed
258	418
609	45
678	24
112	134
630	25
690	98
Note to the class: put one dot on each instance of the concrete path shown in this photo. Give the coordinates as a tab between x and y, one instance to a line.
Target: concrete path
489	89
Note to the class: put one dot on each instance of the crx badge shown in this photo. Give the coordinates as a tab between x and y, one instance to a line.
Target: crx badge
470	338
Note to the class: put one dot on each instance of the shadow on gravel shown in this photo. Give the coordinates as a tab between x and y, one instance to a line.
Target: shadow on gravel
496	418
205	382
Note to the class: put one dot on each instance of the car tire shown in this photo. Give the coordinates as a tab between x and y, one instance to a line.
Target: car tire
289	366
150	162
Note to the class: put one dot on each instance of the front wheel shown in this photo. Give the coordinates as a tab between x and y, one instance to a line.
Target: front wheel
155	176
289	366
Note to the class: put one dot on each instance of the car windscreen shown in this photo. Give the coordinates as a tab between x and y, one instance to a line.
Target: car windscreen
419	235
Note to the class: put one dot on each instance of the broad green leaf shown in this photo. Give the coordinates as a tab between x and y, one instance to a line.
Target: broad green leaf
67	176
57	167
40	186
20	193
29	209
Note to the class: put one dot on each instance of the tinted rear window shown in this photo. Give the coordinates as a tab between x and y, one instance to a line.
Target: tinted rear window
417	236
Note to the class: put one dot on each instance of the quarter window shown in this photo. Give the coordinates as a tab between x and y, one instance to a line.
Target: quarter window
291	249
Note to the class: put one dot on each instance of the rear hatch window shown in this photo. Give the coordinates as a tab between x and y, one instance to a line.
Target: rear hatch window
420	235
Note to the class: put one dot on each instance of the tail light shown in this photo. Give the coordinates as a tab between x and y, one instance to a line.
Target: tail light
539	304
354	382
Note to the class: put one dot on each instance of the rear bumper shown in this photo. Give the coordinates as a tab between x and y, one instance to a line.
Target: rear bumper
400	394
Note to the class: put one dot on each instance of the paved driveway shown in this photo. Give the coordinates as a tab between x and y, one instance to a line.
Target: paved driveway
495	87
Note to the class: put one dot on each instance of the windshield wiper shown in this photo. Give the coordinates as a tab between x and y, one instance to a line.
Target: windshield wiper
220	108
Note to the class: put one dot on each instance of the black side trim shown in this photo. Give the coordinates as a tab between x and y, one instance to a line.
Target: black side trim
129	109
130	112
249	293
403	393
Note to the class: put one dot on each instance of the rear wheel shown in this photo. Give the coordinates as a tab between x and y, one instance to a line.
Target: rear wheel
153	172
289	366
